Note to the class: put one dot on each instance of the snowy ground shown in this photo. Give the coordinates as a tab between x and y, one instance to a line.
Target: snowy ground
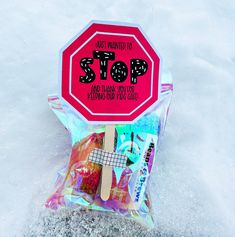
195	180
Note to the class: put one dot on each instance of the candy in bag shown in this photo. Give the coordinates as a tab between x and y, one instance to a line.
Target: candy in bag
130	160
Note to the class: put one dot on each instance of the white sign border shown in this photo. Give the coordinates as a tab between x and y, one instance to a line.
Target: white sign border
64	101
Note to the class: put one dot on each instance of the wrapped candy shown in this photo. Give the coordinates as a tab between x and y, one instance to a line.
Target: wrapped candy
129	194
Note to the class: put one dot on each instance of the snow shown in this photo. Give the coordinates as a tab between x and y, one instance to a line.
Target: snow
195	178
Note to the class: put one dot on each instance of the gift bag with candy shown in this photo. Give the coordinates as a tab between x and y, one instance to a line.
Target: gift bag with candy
114	101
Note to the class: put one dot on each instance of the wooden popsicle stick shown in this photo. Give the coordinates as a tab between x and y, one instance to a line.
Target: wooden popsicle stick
106	182
106	176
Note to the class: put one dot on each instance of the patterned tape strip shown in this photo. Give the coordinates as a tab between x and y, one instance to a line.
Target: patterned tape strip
107	158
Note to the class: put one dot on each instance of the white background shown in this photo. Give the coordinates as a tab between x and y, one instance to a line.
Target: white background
195	180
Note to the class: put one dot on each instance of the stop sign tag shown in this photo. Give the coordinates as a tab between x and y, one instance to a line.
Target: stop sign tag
110	74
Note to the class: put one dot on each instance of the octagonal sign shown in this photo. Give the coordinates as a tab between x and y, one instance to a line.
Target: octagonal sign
110	73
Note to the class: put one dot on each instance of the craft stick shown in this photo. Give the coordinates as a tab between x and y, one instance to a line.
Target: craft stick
106	177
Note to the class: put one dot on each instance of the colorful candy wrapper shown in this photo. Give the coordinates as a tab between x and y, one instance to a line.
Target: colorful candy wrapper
78	184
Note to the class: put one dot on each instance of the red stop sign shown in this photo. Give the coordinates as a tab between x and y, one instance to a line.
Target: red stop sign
110	73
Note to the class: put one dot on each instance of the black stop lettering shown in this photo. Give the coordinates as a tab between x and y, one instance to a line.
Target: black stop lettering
103	56
90	75
119	71
138	68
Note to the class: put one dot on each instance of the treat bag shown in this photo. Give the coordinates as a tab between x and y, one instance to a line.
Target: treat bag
114	103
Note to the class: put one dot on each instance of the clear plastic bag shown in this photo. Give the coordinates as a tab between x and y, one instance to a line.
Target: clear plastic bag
78	184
